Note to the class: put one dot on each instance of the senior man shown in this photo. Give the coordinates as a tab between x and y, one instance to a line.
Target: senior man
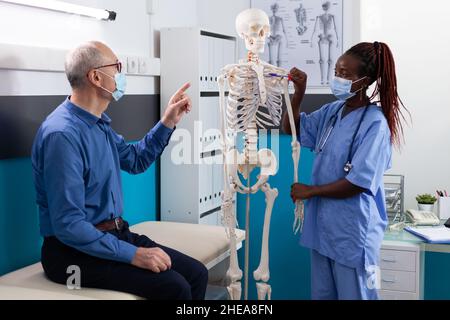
77	158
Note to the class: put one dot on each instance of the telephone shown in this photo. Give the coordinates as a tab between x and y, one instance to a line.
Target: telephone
423	218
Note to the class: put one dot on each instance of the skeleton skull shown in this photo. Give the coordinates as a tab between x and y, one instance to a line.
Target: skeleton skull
253	26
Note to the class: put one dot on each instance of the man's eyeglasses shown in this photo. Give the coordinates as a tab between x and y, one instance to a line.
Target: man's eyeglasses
117	64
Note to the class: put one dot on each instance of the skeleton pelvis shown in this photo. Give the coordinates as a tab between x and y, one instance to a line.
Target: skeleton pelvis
266	161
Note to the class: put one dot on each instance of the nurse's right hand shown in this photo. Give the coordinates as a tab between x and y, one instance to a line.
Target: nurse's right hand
302	192
299	78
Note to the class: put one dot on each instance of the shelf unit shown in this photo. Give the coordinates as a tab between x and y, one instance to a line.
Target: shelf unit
191	189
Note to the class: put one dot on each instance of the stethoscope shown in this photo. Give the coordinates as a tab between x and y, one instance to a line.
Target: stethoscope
331	124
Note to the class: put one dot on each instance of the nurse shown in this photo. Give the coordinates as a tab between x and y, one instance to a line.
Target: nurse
352	140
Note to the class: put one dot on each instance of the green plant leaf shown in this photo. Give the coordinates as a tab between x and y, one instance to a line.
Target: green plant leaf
426	198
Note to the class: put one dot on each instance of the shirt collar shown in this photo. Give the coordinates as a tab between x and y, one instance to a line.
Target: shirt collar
84	115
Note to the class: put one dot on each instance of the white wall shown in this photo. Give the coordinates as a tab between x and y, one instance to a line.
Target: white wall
219	16
128	35
172	14
133	33
212	15
417	33
38	27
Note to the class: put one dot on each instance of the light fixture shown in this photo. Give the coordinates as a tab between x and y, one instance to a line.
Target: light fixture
60	6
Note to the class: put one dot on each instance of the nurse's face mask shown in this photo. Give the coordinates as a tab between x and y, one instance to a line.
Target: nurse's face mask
342	88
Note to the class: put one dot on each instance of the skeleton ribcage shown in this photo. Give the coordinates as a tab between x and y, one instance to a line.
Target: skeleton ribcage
245	104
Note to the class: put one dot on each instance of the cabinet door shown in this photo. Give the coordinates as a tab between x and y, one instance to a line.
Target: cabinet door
218	180
398	281
204	62
396	295
210	219
398	260
202	185
211	53
208	118
229	52
218	61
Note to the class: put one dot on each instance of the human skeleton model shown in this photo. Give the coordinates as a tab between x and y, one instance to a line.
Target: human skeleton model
275	38
300	14
252	84
327	26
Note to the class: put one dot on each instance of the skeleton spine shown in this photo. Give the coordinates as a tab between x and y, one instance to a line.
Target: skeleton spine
251	143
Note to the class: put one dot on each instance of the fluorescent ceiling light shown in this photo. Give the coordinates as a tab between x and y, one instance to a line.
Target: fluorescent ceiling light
60	6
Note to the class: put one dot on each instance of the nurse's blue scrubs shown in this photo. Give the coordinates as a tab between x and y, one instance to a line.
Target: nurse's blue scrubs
345	235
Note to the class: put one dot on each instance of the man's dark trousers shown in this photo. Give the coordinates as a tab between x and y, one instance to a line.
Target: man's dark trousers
187	279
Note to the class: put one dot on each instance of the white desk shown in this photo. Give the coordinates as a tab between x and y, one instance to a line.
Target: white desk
402	263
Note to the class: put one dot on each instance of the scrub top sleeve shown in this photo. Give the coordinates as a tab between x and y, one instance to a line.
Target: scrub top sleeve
372	158
309	127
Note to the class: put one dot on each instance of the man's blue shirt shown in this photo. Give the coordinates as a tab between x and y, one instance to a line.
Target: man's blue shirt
77	158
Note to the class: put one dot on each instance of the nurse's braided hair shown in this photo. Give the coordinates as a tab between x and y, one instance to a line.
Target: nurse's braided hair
377	62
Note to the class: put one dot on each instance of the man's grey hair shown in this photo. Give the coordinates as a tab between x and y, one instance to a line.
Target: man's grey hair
80	61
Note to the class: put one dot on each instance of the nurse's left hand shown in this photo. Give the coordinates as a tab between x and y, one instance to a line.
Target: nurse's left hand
302	192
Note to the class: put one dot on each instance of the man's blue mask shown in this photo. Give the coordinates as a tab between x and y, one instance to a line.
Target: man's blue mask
121	85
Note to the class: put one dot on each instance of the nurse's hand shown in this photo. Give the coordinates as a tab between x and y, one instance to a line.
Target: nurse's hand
302	192
299	78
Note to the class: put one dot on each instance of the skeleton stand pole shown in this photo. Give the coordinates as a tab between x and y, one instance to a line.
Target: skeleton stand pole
247	236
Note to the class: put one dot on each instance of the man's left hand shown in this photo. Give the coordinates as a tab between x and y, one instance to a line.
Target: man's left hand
179	104
302	192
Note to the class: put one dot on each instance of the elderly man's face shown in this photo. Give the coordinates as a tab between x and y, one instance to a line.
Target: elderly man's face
109	59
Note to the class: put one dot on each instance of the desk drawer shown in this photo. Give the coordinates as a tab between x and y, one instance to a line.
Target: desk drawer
398	281
398	260
396	295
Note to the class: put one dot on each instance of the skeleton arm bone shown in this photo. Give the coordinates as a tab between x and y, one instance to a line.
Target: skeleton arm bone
234	273
299	214
314	31
335	30
221	82
299	79
285	33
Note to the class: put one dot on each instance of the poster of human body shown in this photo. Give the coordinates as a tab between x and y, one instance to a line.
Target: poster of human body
306	34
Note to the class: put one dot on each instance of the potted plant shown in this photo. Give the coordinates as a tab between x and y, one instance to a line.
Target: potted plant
425	202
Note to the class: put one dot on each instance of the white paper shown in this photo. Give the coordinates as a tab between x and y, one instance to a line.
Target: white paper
433	234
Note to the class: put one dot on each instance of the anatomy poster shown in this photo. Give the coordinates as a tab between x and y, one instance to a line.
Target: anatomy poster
306	34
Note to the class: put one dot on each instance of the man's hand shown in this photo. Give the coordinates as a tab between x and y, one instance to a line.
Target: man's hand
299	78
302	192
153	259
179	104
